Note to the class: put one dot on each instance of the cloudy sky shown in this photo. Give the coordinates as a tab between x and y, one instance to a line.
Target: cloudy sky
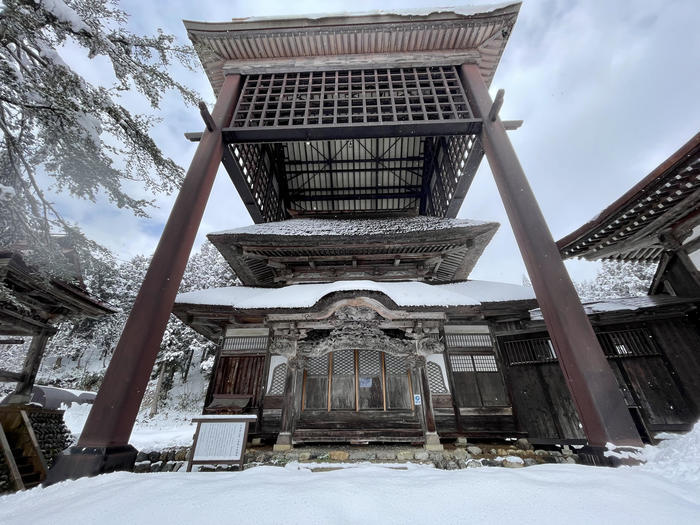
607	90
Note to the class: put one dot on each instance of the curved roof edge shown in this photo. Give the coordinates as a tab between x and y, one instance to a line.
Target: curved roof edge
667	194
350	18
432	33
407	294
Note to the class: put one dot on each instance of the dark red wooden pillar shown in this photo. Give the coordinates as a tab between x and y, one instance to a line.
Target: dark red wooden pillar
103	444
591	382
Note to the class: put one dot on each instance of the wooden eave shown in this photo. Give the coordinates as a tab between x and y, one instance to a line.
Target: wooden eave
231	45
650	308
653	216
41	300
438	256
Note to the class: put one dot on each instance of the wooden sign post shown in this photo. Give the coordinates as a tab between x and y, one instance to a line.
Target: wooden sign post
220	440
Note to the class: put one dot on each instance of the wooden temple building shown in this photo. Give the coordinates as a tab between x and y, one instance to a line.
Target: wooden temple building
32	307
352	141
391	315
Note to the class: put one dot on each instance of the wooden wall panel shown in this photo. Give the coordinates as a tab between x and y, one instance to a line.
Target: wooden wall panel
561	404
679	339
343	392
493	391
398	394
531	403
466	389
658	395
370	394
316	392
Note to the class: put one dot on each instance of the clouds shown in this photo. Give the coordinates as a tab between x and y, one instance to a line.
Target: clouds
607	91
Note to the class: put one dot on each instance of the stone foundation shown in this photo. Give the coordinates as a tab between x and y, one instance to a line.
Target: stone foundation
451	458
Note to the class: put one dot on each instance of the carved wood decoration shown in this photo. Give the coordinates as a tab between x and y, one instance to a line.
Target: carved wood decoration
351	326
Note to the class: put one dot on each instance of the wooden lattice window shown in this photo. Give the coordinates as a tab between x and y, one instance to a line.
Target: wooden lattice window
477	380
435	379
615	344
467	340
357	380
279	376
244	345
526	351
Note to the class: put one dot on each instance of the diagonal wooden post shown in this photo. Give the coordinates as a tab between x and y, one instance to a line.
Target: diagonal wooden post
23	391
103	444
590	380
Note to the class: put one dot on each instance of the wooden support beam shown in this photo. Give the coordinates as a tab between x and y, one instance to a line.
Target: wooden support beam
103	444
23	390
511	125
10	460
329	62
11	341
496	106
10	377
427	128
206	117
35	444
593	386
429	167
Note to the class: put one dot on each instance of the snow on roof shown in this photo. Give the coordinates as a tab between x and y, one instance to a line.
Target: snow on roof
386	226
467	293
463	10
619	304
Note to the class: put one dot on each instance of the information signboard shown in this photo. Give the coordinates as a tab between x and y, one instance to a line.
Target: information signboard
220	440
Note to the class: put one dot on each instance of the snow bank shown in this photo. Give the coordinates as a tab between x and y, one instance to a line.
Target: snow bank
676	458
369	494
467	293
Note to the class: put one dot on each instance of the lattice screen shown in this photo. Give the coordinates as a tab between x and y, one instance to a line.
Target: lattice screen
317	366
468	340
245	344
450	162
351	97
461	363
257	169
627	343
279	375
485	363
395	364
473	363
370	363
436	381
344	363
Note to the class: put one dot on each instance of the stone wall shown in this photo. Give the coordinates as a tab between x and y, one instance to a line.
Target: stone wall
510	455
167	460
51	434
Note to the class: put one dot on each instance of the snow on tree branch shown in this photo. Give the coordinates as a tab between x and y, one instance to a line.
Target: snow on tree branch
56	126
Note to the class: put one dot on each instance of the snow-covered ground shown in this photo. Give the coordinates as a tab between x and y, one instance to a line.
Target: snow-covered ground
164	430
369	494
665	490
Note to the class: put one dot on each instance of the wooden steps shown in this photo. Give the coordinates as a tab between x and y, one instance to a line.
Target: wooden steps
20	449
